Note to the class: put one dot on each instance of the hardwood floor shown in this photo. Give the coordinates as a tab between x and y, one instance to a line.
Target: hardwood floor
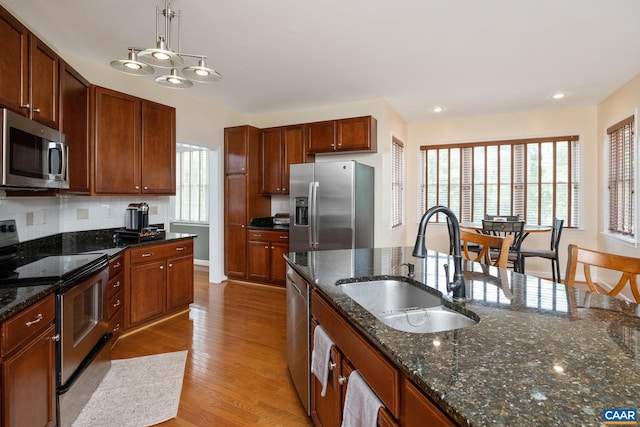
236	371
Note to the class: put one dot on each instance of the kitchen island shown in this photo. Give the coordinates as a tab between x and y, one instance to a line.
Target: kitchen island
541	354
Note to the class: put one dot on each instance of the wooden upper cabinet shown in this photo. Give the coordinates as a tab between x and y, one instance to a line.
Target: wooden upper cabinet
117	145
43	80
74	123
158	148
134	145
28	73
281	147
236	150
356	134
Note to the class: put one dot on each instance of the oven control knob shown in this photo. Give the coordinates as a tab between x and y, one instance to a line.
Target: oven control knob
4	228
12	228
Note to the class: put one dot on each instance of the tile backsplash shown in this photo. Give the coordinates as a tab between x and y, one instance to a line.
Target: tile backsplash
44	216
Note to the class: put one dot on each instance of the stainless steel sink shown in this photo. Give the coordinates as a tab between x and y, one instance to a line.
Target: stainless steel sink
406	306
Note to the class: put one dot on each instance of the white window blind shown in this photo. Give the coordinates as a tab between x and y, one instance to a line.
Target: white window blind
397	182
537	179
192	186
621	183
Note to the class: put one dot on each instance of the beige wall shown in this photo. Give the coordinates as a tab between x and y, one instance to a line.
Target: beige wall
580	121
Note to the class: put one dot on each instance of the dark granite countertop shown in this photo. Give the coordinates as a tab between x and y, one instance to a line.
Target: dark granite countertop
541	355
14	298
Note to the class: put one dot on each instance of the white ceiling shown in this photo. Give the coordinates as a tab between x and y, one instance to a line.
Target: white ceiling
471	57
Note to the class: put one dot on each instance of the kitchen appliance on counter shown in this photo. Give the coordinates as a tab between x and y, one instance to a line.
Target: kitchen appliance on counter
281	219
136	216
331	206
34	156
83	348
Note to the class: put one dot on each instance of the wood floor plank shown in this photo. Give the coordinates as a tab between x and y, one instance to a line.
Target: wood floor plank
236	371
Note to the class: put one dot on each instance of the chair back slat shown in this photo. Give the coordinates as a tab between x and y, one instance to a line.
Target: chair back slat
628	267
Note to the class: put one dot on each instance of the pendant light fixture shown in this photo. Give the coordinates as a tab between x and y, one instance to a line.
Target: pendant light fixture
141	62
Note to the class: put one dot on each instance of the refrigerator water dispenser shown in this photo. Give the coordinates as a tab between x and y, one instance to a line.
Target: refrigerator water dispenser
302	211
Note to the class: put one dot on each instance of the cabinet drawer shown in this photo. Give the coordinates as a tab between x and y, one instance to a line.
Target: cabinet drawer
156	252
116	265
115	303
115	284
379	373
268	236
27	324
116	324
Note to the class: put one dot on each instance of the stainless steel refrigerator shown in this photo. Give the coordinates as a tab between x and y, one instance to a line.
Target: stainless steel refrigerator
331	206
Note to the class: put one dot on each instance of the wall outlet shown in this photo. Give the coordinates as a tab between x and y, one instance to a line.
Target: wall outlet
29	218
153	210
82	213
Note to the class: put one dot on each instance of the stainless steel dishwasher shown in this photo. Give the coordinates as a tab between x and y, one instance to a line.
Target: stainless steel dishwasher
298	335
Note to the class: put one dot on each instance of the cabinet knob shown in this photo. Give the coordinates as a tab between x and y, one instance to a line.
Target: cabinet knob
278	189
342	380
170	265
25	106
36	110
137	187
266	247
145	187
162	267
55	338
332	365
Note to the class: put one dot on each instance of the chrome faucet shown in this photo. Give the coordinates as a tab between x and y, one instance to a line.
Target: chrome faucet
419	250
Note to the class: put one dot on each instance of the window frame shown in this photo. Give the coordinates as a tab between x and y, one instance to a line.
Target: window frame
398	186
205	157
469	174
610	229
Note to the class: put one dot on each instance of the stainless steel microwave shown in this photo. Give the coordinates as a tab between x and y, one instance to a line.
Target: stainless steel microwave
33	155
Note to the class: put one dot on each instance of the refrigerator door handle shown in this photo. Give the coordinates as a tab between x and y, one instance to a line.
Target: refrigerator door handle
311	217
313	229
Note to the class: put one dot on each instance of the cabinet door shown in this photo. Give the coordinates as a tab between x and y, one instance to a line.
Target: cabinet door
258	254
43	83
235	255
326	411
158	149
236	149
74	123
294	151
278	264
14	64
355	134
418	410
30	376
272	155
179	282
117	142
322	137
146	292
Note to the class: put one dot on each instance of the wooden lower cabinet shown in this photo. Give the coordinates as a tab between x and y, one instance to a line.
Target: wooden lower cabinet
265	250
160	281
418	410
28	366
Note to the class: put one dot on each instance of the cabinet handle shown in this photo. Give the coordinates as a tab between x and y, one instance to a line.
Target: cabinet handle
116	285
332	365
283	237
36	320
181	248
25	106
116	304
257	235
147	255
36	110
117	328
170	265
117	265
55	338
342	380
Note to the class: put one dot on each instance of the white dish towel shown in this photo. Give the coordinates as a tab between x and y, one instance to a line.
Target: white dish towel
361	404
320	356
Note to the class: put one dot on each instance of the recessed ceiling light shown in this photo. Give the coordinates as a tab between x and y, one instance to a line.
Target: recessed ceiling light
558	95
437	109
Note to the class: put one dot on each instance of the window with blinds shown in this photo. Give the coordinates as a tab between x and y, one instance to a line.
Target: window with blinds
621	183
537	179
192	186
397	183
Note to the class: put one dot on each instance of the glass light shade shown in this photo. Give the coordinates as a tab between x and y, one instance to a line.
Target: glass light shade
174	81
132	65
201	73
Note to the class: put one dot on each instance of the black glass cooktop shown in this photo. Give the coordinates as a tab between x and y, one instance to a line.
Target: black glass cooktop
51	268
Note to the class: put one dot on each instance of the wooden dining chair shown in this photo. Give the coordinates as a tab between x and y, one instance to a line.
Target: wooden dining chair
550	254
481	251
628	267
507	228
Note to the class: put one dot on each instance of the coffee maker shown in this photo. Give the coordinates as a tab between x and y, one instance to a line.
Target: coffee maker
136	217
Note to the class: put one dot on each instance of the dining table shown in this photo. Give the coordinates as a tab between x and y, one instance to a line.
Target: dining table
528	228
